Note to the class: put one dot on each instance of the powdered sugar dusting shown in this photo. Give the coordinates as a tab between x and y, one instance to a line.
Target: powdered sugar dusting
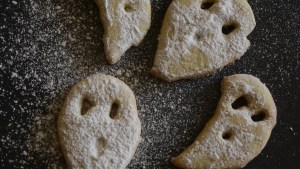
47	46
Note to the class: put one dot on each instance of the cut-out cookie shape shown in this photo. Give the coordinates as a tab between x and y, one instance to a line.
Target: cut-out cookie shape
125	23
98	126
239	129
199	37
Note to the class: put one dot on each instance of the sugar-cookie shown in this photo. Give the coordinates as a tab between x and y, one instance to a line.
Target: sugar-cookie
239	129
125	24
199	37
98	126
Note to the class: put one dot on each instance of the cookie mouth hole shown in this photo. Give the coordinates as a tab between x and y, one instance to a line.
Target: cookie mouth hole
227	135
114	111
260	116
198	36
98	147
229	28
128	8
100	144
207	4
86	106
240	102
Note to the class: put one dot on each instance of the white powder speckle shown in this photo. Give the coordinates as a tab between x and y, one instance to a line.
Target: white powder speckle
13	74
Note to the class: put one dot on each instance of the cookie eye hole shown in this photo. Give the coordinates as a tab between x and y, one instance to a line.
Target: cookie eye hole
86	106
228	28
207	4
240	102
260	116
227	135
128	8
114	111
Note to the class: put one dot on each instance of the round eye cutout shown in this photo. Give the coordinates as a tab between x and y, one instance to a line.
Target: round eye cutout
229	28
259	116
128	8
86	105
206	4
115	111
240	102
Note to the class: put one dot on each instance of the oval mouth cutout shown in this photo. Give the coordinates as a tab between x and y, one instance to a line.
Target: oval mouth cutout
227	135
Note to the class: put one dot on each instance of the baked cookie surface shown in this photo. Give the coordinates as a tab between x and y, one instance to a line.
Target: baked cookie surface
238	131
98	126
199	37
125	24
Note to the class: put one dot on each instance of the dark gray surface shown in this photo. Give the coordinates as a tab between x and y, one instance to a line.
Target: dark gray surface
40	61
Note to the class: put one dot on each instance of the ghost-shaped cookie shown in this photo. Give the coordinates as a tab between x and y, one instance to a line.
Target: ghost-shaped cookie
199	37
125	23
238	131
98	126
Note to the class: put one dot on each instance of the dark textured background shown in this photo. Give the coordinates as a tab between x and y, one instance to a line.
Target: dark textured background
172	114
